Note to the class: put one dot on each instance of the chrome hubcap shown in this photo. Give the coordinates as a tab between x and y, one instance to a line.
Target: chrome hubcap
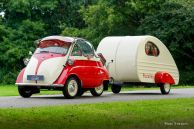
99	89
72	88
167	87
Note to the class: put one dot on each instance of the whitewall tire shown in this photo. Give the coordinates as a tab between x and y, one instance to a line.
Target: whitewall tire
165	88
71	88
97	91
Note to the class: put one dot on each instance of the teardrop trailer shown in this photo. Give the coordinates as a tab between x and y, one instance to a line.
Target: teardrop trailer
63	63
138	60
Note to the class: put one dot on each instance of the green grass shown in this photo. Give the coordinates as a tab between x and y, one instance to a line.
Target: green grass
147	114
11	90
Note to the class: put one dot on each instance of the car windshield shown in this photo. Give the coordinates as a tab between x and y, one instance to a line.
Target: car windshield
52	49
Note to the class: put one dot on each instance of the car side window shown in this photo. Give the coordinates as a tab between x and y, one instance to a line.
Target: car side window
151	49
76	51
86	48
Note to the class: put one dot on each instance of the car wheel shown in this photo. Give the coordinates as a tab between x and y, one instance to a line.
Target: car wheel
71	88
97	91
165	88
25	92
115	88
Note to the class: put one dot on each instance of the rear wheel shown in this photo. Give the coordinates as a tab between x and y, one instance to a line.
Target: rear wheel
71	88
25	92
165	88
81	92
97	91
115	88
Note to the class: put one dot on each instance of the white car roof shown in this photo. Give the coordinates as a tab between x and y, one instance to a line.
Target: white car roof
62	38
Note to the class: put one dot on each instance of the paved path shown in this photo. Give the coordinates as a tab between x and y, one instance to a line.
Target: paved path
45	100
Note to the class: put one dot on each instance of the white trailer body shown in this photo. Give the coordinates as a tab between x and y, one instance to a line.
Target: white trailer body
128	58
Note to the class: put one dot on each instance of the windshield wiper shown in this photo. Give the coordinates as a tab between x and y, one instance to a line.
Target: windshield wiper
44	51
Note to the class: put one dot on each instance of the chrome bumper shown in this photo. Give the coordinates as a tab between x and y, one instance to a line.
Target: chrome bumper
34	84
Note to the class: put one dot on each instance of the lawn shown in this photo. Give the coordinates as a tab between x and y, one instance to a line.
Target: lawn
147	114
11	90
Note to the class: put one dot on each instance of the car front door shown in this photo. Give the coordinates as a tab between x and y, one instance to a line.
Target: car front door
92	70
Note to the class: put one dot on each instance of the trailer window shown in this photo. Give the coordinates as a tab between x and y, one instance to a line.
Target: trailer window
151	49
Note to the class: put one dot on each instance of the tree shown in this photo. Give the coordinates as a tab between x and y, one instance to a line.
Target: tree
112	18
28	20
174	25
15	47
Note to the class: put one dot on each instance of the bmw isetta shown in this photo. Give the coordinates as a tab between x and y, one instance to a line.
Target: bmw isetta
63	63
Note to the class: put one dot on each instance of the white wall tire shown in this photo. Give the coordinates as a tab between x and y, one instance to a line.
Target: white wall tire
165	88
97	91
71	88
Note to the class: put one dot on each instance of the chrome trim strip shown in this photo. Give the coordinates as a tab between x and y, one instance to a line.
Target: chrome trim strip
34	84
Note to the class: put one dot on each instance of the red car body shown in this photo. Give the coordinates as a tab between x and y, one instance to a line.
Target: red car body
58	59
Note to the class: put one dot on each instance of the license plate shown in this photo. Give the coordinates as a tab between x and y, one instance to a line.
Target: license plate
35	77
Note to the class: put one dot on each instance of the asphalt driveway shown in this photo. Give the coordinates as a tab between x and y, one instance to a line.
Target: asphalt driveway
51	100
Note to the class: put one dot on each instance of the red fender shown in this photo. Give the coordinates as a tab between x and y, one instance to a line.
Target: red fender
62	77
163	77
20	76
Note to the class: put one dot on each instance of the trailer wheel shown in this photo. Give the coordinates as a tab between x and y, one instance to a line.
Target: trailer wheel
25	92
71	88
97	91
165	88
115	88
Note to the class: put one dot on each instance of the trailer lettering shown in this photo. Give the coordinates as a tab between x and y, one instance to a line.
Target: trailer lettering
147	75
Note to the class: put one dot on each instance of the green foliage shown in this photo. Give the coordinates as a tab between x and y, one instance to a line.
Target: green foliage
174	25
28	20
15	46
113	18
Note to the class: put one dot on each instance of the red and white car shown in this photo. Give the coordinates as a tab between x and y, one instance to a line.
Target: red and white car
63	63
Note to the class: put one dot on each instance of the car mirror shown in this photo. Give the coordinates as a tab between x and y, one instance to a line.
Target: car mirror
70	62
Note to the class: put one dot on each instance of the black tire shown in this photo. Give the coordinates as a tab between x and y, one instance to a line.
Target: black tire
97	91
165	88
71	88
115	88
24	91
81	92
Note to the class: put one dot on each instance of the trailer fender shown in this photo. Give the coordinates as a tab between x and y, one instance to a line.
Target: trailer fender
163	77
